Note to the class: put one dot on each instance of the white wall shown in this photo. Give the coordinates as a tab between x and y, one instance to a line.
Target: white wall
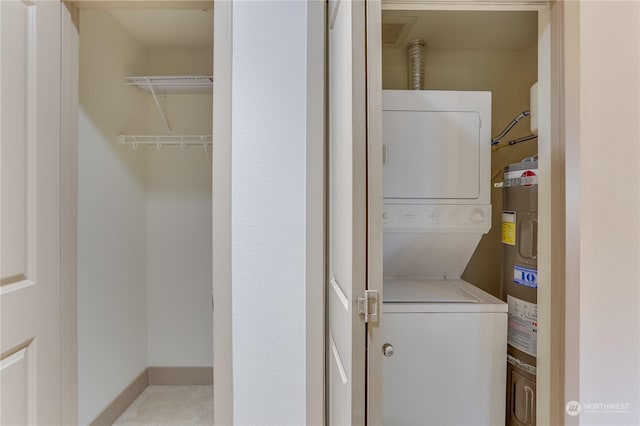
603	210
180	330
179	258
268	212
112	320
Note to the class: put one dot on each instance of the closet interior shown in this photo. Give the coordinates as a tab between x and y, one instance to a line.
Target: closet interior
144	202
460	52
473	51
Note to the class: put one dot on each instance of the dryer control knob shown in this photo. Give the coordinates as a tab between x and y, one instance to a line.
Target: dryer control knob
477	216
387	349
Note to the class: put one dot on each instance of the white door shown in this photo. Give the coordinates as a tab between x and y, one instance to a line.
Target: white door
30	365
347	212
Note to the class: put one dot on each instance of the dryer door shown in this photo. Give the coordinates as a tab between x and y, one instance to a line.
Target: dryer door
431	154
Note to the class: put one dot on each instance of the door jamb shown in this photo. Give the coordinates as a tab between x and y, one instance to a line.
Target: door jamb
373	28
69	106
221	213
315	215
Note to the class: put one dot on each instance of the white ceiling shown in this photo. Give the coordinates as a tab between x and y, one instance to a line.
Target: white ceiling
168	28
464	30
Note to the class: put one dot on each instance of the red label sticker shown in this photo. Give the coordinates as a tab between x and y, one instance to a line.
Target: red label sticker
528	173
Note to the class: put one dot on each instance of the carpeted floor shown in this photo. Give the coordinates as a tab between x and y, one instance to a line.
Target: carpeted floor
170	405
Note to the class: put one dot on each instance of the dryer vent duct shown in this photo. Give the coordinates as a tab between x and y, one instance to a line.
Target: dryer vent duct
415	52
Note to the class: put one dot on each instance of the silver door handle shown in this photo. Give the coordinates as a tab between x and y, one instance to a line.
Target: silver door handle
387	349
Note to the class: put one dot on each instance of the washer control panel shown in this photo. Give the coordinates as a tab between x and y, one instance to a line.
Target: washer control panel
437	218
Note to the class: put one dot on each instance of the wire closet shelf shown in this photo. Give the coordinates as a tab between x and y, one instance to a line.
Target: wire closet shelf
168	85
159	140
164	85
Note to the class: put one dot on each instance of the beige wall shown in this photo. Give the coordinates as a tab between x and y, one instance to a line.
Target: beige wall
508	76
180	61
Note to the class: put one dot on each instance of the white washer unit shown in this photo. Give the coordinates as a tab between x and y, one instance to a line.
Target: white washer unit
449	343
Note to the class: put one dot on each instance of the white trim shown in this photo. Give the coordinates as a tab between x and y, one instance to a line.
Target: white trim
558	197
571	133
334	5
338	361
32	137
142	4
315	214
374	207
545	247
341	296
9	288
221	214
464	5
69	106
13	358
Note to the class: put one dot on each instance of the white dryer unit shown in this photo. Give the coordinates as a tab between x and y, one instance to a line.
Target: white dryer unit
448	362
436	147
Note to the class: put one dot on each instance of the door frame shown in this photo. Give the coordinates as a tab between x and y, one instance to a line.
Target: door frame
315	208
550	406
316	214
374	365
551	300
221	213
221	175
69	107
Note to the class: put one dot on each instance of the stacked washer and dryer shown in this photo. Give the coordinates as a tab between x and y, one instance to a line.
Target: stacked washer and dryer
446	340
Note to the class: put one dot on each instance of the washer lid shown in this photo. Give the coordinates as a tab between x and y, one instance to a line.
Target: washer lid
407	290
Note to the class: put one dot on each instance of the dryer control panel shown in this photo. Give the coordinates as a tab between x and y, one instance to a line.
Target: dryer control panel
454	218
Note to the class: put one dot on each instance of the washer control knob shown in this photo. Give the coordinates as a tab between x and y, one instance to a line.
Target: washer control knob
387	349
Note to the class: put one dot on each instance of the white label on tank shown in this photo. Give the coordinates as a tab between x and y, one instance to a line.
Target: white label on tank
523	325
525	276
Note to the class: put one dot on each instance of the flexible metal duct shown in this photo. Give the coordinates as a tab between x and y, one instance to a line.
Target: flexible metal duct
416	64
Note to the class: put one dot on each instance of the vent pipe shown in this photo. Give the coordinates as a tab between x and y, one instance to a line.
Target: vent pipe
416	63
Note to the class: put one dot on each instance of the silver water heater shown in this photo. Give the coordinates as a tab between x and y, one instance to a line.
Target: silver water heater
519	288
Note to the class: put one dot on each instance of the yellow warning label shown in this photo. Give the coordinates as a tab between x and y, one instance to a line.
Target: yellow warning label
509	228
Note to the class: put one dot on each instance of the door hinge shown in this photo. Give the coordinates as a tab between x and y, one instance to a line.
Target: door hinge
368	306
